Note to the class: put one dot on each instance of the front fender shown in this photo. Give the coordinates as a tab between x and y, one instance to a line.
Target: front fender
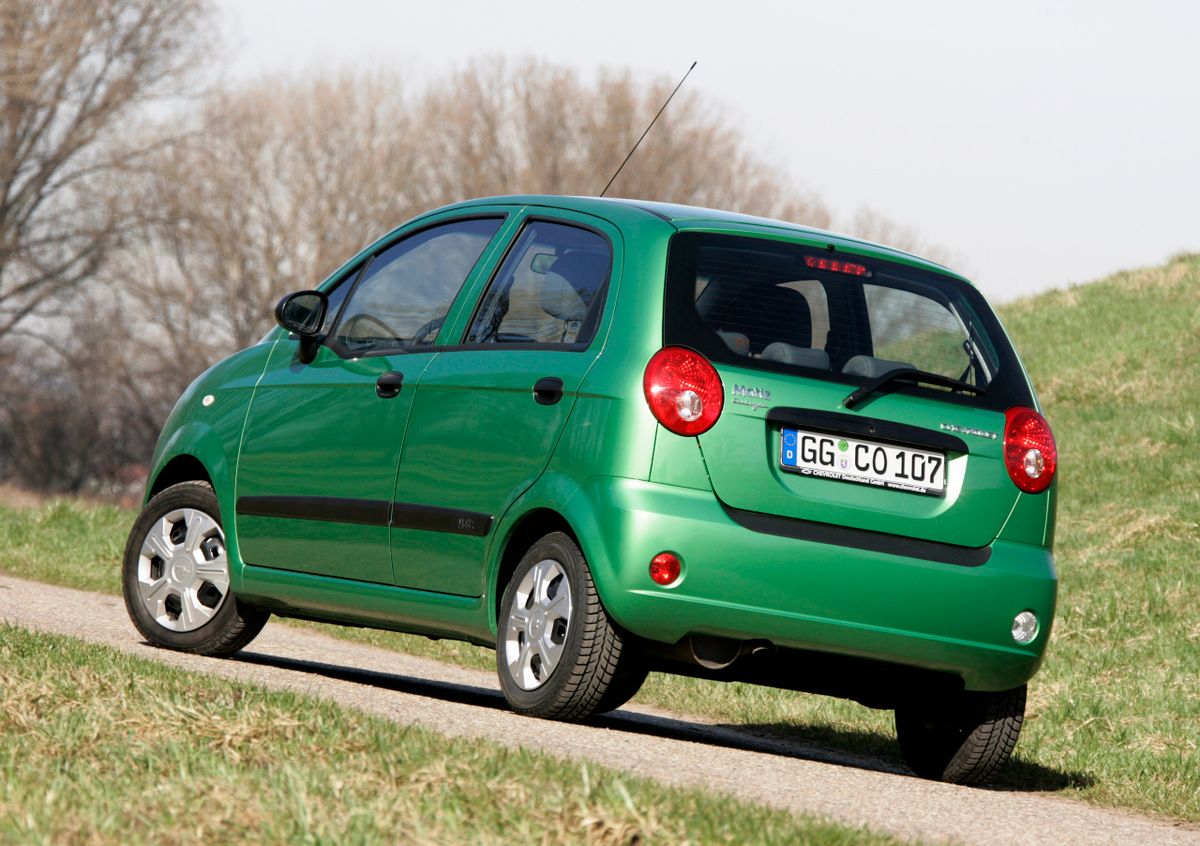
206	425
204	443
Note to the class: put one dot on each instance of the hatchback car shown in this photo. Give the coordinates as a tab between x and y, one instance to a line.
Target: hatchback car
606	437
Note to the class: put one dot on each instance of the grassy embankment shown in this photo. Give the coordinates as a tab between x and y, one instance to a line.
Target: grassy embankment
1112	716
101	747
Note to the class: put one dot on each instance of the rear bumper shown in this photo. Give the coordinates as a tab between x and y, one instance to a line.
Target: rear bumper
813	595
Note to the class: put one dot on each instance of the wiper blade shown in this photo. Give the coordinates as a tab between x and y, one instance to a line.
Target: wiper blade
909	374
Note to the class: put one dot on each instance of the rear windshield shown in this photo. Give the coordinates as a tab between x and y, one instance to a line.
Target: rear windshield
771	305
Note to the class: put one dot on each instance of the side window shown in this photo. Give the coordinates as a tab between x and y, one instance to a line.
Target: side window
550	289
406	291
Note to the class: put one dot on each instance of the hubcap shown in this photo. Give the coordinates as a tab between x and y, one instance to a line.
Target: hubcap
538	621
183	572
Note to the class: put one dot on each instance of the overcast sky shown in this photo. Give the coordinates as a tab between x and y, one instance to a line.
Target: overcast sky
1044	143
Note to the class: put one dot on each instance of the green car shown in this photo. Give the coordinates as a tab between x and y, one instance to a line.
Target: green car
606	437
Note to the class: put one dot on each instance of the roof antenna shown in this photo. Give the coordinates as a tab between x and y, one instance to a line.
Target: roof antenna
648	128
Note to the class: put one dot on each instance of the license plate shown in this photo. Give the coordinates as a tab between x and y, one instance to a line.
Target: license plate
864	462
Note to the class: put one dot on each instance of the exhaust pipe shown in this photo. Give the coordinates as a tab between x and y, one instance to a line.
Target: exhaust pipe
713	653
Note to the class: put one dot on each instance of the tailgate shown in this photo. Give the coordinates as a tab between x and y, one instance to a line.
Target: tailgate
964	502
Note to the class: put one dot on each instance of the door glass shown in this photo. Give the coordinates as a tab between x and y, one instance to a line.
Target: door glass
550	289
407	290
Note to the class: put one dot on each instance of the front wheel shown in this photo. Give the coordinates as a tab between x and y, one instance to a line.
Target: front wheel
558	654
175	576
963	739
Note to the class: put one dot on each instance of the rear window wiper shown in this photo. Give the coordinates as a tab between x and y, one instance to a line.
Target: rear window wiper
909	374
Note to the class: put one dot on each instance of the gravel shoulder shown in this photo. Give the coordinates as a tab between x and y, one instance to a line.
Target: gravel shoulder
674	749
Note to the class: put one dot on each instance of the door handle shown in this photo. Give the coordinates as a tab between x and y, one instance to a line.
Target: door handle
389	384
548	390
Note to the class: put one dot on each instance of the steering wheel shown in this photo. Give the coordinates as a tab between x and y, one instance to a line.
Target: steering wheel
388	331
427	329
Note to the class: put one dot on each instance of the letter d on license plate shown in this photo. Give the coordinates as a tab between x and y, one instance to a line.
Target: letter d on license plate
863	462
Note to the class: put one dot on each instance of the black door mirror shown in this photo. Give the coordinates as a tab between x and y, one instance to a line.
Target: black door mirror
302	313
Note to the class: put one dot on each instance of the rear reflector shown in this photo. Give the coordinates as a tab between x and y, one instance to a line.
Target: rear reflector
665	568
836	265
683	390
1030	454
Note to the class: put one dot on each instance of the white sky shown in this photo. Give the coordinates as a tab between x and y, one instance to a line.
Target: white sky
1043	143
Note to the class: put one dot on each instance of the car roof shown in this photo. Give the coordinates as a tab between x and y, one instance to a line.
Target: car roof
682	217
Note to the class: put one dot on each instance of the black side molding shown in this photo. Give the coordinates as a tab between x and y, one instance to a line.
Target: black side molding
431	518
368	512
887	431
809	530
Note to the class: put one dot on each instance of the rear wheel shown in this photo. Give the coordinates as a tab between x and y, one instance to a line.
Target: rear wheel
175	576
964	739
558	654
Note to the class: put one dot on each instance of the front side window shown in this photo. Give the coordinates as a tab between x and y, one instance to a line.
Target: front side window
550	289
406	291
772	305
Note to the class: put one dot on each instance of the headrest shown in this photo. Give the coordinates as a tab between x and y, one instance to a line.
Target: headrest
801	356
736	341
571	284
870	367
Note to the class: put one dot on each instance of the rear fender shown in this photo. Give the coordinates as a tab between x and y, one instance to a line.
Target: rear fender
565	498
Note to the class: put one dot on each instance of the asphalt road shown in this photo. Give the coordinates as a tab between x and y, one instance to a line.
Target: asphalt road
670	748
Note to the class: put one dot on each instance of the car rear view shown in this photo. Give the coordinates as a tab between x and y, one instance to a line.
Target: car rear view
866	426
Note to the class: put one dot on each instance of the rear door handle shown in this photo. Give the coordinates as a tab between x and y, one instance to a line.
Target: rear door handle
389	384
548	390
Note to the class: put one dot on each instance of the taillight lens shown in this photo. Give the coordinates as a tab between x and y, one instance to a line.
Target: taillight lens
684	391
1029	451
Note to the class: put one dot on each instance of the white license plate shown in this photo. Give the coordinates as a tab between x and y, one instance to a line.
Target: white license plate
865	462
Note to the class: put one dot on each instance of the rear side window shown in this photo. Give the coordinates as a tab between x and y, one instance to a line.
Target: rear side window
771	305
549	290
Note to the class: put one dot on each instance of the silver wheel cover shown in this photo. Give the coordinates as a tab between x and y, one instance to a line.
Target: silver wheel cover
182	570
539	618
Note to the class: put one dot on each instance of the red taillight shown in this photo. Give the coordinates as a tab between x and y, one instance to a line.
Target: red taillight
665	568
836	265
684	391
1029	451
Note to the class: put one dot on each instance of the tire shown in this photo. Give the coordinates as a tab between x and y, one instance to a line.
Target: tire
628	681
558	655
175	576
965	740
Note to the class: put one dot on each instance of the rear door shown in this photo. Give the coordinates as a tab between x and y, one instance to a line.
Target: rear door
323	438
792	333
489	410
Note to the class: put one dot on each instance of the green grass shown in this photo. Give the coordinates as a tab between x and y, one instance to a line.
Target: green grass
102	747
1113	715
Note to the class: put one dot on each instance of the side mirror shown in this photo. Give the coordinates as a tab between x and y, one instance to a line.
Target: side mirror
302	313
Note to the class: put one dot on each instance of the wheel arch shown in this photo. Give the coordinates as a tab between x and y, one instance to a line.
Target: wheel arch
181	468
520	536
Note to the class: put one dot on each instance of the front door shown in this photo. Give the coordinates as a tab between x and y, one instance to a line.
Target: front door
489	411
322	440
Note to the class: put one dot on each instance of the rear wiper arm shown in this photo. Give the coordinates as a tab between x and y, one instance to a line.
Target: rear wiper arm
909	374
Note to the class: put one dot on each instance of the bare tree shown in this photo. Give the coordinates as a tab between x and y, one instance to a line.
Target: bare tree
70	72
276	182
534	127
285	178
874	226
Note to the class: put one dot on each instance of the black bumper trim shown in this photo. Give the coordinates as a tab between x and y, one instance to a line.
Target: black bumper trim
809	530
